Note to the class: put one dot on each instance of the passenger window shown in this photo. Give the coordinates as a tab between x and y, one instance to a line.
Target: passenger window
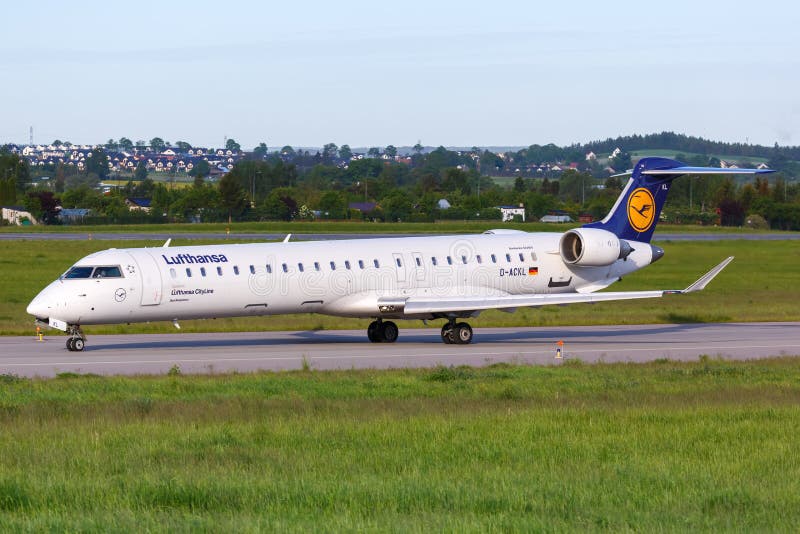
202	271
188	272
316	266
236	270
269	269
252	269
333	266
464	260
449	260
347	264
494	258
360	264
521	257
419	261
300	267
508	258
478	257
399	263
172	272
219	270
533	256
284	267
433	260
376	264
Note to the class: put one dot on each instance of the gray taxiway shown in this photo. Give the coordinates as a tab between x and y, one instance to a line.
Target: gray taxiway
345	349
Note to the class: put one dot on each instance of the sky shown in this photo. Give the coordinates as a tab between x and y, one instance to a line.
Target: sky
466	73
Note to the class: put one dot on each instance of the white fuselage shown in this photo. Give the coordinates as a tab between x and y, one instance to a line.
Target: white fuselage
345	277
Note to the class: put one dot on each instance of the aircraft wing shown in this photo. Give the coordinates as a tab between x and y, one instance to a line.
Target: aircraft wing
463	304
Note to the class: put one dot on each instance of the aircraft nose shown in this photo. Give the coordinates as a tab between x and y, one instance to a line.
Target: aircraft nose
39	307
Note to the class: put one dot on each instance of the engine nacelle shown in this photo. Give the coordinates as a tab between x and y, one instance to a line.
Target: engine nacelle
592	247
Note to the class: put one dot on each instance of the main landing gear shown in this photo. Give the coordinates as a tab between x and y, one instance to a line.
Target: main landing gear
454	333
382	331
76	339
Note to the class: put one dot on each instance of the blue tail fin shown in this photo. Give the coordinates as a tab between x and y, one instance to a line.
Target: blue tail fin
636	212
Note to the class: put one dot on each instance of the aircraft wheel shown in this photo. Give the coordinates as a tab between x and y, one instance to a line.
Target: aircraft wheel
69	344
463	333
447	333
373	332
389	332
77	344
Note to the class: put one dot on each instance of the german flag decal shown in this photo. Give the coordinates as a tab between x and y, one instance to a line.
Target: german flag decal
533	270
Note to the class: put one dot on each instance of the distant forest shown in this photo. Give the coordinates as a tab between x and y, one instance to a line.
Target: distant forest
686	143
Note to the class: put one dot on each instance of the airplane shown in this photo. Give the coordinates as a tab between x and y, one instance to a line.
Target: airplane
450	277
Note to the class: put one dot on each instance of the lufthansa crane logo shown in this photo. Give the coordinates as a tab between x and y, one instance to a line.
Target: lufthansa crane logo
120	294
641	209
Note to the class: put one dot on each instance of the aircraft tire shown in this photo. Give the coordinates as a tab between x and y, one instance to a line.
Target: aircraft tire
70	347
389	332
462	333
448	334
77	344
373	332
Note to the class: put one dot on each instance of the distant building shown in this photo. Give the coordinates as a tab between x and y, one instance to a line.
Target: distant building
443	204
17	215
556	216
73	215
508	212
363	207
138	204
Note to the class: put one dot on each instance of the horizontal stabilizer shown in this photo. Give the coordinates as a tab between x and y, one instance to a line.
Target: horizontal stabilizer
702	170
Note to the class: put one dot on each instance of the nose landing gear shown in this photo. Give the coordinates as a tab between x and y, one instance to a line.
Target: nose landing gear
77	340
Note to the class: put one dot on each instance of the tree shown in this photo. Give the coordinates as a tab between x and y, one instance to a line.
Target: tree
157	144
329	152
261	151
418	148
141	144
183	146
111	145
97	163
57	142
519	185
125	144
287	151
201	168
232	145
374	152
232	195
391	151
141	171
333	205
345	153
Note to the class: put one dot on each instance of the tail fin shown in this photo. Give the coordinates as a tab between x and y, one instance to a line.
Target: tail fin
636	212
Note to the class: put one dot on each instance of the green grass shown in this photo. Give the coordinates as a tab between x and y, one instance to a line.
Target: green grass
704	446
760	285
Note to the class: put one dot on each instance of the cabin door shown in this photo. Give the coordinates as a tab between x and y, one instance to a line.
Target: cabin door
150	275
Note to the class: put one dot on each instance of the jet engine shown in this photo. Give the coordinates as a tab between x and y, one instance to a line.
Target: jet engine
592	247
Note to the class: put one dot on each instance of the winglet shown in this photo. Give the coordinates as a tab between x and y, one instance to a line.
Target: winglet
703	281
287	238
167	242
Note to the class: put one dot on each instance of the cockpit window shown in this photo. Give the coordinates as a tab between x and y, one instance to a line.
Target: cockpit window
79	272
107	272
94	272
